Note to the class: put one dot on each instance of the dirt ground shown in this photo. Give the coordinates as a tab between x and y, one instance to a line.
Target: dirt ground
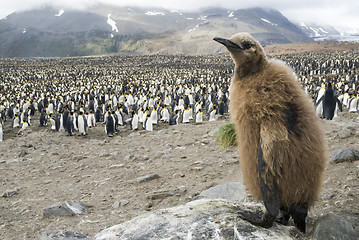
46	167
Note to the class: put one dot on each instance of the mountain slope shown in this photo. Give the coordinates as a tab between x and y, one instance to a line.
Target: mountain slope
106	29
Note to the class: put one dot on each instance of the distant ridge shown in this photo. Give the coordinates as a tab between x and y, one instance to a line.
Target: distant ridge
104	29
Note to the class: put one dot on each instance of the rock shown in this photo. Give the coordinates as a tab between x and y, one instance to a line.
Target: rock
124	202
27	145
232	191
129	157
232	160
14	160
115	153
163	193
205	141
200	219
23	153
117	166
9	193
148	177
134	134
197	168
345	133
198	163
68	208
59	235
331	227
347	155
120	203
115	204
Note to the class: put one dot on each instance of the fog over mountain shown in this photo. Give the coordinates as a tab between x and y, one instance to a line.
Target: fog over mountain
106	29
342	14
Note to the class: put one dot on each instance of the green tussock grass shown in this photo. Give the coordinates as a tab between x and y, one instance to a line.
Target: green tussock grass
226	135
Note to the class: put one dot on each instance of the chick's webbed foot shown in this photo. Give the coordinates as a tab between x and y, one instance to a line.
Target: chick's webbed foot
263	220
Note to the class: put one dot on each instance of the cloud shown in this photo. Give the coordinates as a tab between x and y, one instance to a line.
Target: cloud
324	12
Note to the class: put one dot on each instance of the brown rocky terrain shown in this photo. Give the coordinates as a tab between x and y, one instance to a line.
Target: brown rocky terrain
44	167
312	47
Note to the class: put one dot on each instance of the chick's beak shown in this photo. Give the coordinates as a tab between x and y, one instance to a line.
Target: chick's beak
227	43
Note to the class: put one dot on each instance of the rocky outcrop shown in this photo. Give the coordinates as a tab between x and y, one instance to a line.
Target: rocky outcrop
68	208
199	219
215	215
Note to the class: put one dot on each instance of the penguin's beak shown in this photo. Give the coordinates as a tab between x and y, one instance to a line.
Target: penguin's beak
227	43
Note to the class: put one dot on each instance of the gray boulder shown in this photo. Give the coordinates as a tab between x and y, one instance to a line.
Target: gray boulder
232	191
68	208
148	177
9	193
199	219
346	133
164	193
59	235
333	227
347	155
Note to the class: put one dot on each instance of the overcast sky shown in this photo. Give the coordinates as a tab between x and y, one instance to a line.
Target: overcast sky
342	13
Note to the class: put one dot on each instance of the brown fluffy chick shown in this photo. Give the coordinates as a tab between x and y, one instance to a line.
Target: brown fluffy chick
281	145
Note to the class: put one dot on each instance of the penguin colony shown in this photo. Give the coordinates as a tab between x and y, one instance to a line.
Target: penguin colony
280	141
85	92
129	88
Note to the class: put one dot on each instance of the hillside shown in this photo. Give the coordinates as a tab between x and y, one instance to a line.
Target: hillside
103	29
313	47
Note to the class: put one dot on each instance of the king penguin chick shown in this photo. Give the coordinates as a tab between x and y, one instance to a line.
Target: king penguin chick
281	144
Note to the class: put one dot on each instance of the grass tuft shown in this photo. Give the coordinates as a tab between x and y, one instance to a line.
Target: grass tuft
226	135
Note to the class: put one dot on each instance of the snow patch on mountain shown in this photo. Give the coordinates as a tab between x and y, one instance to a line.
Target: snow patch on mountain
112	23
153	13
60	13
267	21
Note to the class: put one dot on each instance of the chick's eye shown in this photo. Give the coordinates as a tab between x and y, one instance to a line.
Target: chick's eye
246	45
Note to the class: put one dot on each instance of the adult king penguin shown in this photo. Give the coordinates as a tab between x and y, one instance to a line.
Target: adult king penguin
82	124
134	121
280	141
328	104
1	131
70	124
109	125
